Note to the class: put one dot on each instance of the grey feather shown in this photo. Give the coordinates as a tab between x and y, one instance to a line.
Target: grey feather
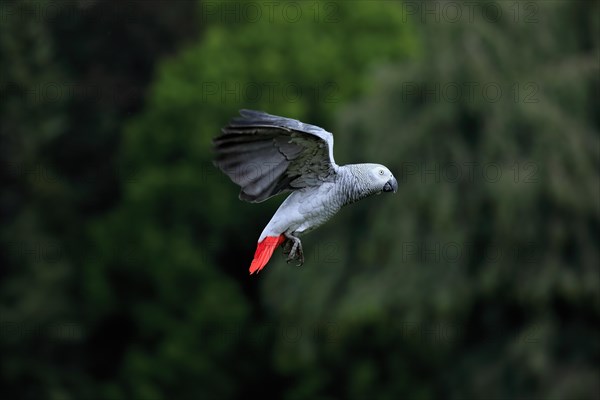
266	155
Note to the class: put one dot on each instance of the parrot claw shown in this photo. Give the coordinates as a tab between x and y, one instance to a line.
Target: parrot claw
300	256
295	250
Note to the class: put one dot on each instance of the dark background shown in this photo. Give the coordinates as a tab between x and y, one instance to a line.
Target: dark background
125	253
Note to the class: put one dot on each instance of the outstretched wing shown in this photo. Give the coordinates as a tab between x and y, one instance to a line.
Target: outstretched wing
267	155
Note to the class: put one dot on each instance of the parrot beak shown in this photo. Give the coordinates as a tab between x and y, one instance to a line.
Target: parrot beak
391	185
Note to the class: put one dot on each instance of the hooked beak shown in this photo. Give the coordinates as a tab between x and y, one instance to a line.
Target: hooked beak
391	185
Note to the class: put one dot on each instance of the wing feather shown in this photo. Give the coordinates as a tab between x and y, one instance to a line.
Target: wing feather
266	154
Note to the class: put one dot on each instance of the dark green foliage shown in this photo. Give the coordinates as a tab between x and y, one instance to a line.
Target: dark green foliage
66	88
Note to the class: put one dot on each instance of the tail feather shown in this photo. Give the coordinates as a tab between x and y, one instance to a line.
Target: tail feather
264	251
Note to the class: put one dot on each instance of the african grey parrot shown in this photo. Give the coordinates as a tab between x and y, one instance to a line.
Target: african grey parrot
266	155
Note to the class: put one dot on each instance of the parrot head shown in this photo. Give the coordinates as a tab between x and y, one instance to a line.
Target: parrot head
382	179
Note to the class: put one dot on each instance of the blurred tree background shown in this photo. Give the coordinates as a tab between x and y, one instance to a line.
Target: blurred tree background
124	252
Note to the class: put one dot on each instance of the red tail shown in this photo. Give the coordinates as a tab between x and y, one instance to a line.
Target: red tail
263	253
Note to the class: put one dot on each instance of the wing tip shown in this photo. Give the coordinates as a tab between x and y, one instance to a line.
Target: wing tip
248	111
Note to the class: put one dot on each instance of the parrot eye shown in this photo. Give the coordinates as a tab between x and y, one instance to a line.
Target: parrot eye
380	172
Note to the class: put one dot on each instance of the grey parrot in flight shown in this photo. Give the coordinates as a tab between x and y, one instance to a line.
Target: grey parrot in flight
266	155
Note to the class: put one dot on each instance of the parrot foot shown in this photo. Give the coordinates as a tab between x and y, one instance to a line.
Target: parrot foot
287	247
293	247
